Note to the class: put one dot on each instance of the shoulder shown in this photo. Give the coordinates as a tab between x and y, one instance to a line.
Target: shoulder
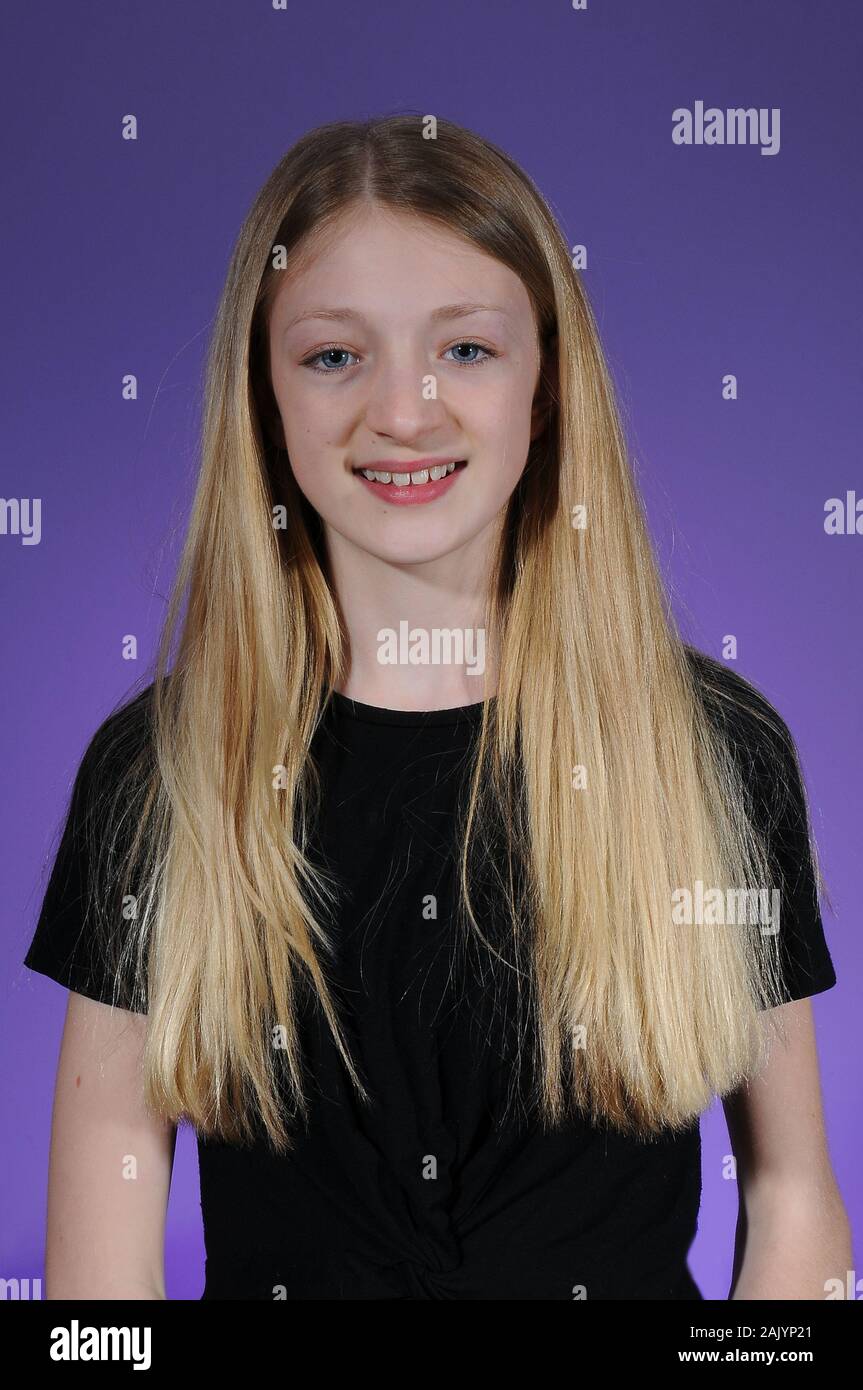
756	732
127	727
111	780
767	760
82	938
123	741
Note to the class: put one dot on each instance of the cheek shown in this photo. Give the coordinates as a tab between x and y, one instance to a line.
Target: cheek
317	481
308	430
507	429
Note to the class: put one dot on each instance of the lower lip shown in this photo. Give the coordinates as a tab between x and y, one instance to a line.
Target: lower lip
413	492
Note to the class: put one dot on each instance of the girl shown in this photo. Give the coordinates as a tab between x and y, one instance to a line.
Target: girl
390	877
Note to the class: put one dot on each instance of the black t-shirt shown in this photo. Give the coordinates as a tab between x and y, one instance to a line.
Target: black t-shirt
426	1194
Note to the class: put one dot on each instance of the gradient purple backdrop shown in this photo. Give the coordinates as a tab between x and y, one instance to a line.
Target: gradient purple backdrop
702	261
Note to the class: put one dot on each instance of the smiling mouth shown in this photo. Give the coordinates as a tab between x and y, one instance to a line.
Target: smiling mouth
417	478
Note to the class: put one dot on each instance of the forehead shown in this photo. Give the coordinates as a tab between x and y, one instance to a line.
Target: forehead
383	262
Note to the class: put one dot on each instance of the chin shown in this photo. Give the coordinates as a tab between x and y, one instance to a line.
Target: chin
407	550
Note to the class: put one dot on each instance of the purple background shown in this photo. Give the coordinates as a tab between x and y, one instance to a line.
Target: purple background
702	261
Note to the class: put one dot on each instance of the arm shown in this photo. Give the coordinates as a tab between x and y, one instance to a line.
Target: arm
105	1230
793	1232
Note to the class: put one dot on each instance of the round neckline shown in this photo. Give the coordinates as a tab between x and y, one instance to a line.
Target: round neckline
406	718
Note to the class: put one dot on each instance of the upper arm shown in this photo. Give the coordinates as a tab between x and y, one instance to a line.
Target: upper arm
776	1122
110	1163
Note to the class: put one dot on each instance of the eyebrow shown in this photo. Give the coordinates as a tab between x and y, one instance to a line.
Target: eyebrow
447	311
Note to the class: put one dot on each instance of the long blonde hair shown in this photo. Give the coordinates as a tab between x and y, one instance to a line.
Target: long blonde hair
629	1018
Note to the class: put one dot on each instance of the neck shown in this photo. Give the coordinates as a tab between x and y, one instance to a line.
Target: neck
416	632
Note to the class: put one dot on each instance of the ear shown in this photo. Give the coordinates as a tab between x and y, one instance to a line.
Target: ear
546	390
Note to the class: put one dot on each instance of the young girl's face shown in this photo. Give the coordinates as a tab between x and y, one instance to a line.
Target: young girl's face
365	345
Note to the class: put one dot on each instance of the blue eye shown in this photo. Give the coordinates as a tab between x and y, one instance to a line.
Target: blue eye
336	351
476	361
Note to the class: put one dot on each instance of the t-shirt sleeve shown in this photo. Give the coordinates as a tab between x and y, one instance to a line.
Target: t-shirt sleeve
768	759
82	938
805	960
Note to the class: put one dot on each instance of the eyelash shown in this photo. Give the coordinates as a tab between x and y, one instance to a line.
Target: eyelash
337	347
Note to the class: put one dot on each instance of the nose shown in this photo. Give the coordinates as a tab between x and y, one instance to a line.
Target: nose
403	401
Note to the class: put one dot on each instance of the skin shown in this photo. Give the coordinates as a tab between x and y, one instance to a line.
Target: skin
427	564
793	1232
105	1231
105	1236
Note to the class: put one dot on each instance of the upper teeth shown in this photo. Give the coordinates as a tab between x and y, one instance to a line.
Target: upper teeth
402	479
